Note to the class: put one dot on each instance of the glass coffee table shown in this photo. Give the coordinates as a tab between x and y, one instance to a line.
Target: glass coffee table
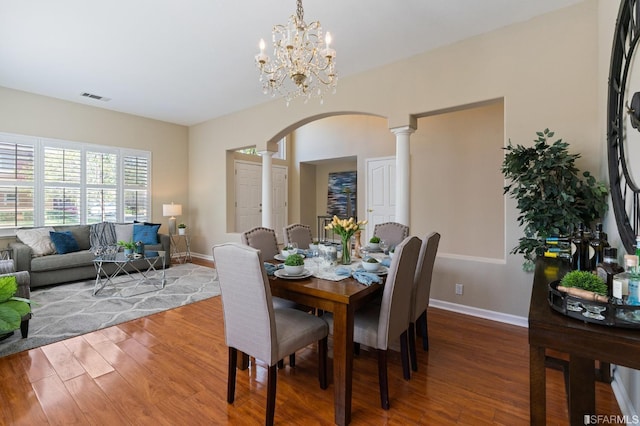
118	269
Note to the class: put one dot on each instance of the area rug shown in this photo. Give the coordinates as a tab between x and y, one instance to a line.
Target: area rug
68	310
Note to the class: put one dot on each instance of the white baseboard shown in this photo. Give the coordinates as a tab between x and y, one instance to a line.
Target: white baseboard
480	313
624	402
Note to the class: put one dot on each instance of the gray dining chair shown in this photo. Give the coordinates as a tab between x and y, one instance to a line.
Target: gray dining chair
391	232
298	233
379	325
254	327
264	239
420	295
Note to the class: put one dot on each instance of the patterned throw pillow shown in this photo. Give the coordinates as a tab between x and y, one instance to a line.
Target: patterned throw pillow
38	239
64	242
148	234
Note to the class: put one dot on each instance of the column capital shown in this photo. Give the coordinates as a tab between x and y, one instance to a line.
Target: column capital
266	153
404	130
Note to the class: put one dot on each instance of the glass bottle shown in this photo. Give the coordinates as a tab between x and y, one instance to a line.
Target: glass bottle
580	250
634	279
621	281
609	267
597	243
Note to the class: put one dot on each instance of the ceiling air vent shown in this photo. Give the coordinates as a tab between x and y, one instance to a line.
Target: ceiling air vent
96	97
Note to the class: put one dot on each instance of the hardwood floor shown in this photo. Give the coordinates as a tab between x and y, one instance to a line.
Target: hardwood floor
170	368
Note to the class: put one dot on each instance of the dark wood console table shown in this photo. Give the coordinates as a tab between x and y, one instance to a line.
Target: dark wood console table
583	342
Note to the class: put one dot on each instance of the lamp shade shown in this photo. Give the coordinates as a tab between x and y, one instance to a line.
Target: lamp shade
172	209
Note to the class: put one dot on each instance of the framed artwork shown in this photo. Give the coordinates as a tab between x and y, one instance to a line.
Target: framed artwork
342	194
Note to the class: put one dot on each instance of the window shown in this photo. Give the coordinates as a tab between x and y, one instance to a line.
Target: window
282	149
51	182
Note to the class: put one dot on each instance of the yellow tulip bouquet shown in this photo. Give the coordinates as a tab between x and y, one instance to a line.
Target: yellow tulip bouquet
345	228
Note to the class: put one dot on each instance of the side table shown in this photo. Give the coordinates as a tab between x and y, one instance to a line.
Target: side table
180	248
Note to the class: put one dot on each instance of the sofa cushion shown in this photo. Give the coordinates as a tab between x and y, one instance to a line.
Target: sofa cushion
79	232
124	232
62	261
147	234
64	242
37	239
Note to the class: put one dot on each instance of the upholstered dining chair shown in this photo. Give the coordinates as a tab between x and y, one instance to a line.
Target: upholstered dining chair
379	325
420	295
253	326
263	239
298	233
391	232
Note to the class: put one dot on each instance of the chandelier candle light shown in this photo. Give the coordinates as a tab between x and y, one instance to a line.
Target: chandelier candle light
303	65
346	228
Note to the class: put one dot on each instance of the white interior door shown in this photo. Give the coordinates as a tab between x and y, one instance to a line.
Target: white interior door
381	200
248	191
248	194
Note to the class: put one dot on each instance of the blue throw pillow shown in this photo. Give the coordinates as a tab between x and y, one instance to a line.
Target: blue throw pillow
148	234
64	242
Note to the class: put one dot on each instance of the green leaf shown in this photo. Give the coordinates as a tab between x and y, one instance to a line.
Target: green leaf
9	318
8	287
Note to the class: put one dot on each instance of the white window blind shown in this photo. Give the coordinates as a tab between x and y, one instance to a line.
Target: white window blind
62	180
53	182
136	182
17	183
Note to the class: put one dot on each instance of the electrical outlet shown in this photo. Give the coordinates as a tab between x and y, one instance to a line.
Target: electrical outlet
459	289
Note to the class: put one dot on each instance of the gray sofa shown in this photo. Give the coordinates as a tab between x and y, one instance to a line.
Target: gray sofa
75	266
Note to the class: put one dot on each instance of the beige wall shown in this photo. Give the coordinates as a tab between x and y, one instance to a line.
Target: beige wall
28	114
544	69
456	181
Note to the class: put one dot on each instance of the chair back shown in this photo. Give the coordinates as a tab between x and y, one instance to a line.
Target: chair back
249	323
263	239
392	232
424	272
298	233
396	298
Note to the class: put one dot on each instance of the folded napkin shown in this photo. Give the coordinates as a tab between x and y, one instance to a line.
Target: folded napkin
342	270
366	278
271	268
386	262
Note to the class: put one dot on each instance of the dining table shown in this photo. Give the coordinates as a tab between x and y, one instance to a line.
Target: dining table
342	298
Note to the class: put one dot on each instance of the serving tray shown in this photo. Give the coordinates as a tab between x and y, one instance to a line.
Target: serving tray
609	314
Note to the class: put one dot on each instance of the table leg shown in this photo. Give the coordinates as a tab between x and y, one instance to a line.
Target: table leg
342	363
582	392
537	386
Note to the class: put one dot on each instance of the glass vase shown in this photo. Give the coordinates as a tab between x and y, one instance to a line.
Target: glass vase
346	250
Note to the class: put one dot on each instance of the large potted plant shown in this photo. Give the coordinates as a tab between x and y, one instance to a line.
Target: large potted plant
12	308
552	197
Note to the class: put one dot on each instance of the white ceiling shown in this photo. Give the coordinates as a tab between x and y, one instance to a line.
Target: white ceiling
187	61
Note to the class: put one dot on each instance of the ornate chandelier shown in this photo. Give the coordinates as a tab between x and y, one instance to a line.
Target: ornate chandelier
303	65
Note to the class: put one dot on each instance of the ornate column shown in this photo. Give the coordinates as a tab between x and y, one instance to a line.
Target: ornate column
403	173
267	188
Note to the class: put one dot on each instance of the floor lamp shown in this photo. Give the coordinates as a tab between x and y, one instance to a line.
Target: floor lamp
172	210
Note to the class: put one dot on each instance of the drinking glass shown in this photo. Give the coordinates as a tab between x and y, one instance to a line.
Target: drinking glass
295	247
315	257
384	246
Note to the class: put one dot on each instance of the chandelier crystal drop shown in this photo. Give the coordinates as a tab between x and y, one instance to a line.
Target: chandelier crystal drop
303	62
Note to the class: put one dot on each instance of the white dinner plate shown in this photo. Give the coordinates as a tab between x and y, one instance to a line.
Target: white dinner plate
281	258
281	273
382	270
